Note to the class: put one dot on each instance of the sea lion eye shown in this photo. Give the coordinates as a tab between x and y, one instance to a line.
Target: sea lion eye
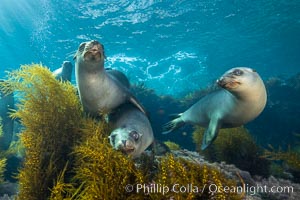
134	135
238	72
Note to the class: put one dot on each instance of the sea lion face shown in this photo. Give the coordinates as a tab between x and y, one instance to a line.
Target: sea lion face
237	79
92	51
126	140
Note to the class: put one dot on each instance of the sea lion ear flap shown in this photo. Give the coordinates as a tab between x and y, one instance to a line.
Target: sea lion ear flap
80	50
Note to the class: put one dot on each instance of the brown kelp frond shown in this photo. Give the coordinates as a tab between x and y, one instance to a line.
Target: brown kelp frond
172	145
2	157
290	157
1	128
92	127
2	168
51	114
62	190
189	180
16	148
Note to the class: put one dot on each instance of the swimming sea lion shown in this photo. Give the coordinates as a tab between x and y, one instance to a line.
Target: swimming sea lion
132	132
98	91
6	103
242	97
64	73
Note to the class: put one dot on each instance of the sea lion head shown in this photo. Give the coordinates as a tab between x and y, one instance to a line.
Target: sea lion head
92	51
238	79
127	140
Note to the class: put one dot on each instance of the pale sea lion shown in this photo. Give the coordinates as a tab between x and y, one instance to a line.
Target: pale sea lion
242	98
98	91
64	73
6	104
132	132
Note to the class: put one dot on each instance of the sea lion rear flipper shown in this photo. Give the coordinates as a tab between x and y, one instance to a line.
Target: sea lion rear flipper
135	102
210	133
173	125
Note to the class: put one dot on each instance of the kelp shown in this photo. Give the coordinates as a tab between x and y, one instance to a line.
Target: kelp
3	158
183	179
234	146
290	157
172	145
50	112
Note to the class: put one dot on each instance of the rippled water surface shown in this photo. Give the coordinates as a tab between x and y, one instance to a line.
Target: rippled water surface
171	46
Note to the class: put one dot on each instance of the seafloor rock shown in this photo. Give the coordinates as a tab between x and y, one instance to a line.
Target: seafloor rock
255	188
7	197
8	190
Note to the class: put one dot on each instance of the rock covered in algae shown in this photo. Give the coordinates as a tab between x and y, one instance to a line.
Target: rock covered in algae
235	146
255	187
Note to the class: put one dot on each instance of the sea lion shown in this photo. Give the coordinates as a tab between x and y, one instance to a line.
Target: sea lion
132	132
64	73
242	98
99	92
119	76
6	104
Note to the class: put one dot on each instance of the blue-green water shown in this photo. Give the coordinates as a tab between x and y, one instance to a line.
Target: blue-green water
173	46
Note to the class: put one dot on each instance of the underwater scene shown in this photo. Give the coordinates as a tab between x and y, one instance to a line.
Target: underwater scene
149	99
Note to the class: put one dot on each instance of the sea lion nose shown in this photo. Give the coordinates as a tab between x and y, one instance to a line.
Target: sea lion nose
95	48
124	142
221	81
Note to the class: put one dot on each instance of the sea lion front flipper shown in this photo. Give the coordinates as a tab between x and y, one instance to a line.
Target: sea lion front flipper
210	133
176	123
135	102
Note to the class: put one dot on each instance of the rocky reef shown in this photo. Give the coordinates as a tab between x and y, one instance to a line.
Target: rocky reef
254	187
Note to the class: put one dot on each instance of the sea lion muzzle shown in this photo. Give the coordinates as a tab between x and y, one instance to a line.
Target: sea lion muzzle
228	82
126	146
94	52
